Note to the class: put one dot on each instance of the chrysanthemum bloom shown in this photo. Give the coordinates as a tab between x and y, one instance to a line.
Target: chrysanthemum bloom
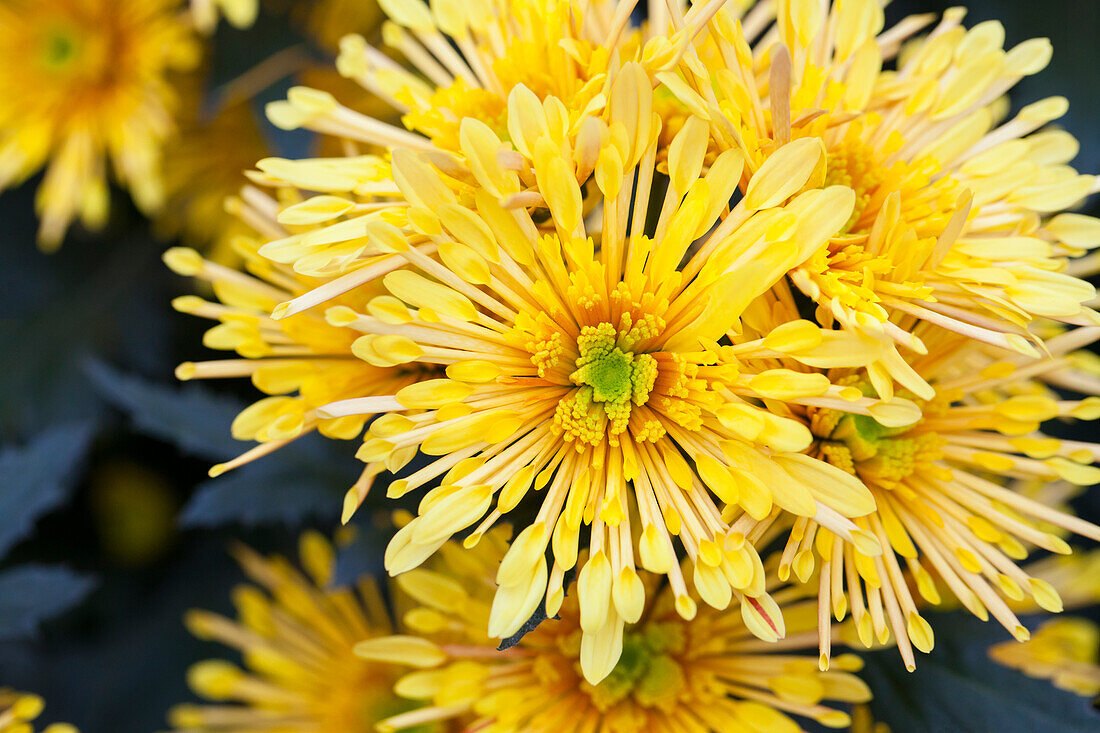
1065	651
18	710
943	507
950	223
588	378
707	673
302	362
83	84
463	58
296	633
239	13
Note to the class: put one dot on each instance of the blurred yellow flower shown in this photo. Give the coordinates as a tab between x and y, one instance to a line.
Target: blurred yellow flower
706	674
84	84
204	167
463	59
296	633
18	710
1065	651
950	221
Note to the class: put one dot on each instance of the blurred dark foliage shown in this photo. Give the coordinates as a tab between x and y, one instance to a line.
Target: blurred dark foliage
110	529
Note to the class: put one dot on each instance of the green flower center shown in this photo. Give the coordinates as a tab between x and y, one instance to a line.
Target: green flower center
859	444
647	670
611	378
615	376
60	49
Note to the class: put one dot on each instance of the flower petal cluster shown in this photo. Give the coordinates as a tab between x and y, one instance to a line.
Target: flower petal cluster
953	222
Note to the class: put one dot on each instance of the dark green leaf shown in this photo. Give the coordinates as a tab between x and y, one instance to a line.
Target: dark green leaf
189	417
306	479
30	594
959	688
37	477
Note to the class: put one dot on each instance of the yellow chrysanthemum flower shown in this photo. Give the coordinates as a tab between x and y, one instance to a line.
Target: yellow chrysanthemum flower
950	223
83	83
239	13
18	710
588	372
296	633
464	58
302	362
1065	651
943	507
706	674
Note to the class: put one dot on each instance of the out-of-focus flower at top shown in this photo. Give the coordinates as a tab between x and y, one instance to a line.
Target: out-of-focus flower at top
296	633
1065	651
706	674
326	22
18	710
239	13
953	222
204	167
84	88
464	58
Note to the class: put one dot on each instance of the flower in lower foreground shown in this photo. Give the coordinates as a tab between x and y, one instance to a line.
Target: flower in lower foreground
1065	651
18	710
84	85
707	673
296	633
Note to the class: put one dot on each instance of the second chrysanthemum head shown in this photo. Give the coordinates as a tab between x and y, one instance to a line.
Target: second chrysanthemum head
708	673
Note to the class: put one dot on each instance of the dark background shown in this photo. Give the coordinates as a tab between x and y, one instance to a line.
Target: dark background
88	404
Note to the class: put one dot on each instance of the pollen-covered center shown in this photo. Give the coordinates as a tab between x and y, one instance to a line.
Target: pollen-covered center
614	375
611	379
853	164
648	670
60	48
880	455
